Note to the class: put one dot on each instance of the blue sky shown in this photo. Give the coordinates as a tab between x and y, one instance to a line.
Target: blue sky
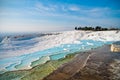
56	15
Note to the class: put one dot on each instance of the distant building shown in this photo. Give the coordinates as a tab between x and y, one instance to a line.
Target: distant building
115	47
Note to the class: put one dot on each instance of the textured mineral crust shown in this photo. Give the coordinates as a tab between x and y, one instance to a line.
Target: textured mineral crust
98	64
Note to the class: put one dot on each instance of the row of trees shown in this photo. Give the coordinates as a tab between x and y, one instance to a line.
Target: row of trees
97	28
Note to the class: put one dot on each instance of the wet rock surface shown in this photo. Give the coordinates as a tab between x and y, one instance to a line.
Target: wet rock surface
98	64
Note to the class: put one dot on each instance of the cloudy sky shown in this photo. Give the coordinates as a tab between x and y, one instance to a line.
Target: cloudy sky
56	15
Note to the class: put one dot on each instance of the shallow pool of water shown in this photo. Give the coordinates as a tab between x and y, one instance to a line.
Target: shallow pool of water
55	53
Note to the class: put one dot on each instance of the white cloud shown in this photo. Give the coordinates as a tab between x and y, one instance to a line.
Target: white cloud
43	8
63	10
98	9
74	8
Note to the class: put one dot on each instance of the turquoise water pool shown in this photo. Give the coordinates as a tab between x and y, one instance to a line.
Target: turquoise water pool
55	53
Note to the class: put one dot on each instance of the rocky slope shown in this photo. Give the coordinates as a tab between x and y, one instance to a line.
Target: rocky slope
98	64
